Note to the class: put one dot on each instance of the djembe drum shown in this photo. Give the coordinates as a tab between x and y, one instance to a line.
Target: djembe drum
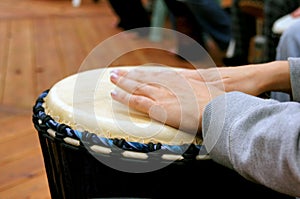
94	147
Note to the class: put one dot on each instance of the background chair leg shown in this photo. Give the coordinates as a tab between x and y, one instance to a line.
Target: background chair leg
158	19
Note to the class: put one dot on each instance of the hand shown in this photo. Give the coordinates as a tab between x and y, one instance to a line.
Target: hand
243	78
178	97
167	95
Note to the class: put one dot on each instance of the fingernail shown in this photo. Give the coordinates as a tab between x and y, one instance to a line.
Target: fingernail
114	76
113	93
115	71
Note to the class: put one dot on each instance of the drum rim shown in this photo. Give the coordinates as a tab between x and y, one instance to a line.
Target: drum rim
44	122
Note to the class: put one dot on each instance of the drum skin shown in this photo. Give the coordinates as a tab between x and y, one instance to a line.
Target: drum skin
83	101
75	172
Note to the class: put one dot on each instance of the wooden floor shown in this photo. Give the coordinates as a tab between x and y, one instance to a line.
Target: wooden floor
41	42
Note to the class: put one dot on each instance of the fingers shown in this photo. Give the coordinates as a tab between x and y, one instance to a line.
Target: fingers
138	102
119	72
132	86
142	104
147	74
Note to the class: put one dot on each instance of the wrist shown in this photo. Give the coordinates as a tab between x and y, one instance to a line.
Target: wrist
275	76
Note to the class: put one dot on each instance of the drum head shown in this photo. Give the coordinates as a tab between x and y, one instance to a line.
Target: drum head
83	103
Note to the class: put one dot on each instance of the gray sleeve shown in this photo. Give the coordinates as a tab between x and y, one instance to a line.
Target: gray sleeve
258	138
295	77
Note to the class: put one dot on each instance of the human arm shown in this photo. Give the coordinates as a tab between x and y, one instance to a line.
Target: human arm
258	138
253	79
169	95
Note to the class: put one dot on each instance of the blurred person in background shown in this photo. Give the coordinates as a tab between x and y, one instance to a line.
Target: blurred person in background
244	29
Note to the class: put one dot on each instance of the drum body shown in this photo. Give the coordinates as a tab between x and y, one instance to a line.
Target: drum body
74	170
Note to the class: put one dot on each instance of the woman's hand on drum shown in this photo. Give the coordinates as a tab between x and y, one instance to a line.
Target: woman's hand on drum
176	98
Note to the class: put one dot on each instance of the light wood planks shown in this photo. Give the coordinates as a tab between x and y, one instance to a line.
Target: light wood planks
69	45
21	163
48	60
19	82
4	34
33	188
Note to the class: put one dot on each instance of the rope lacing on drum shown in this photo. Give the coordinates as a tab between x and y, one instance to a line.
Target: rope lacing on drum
44	122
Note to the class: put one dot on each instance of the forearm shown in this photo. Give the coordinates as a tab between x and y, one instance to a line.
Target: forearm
256	137
256	79
259	138
282	76
274	76
253	79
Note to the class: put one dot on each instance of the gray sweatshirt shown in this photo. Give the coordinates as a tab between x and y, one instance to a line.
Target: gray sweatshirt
258	138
